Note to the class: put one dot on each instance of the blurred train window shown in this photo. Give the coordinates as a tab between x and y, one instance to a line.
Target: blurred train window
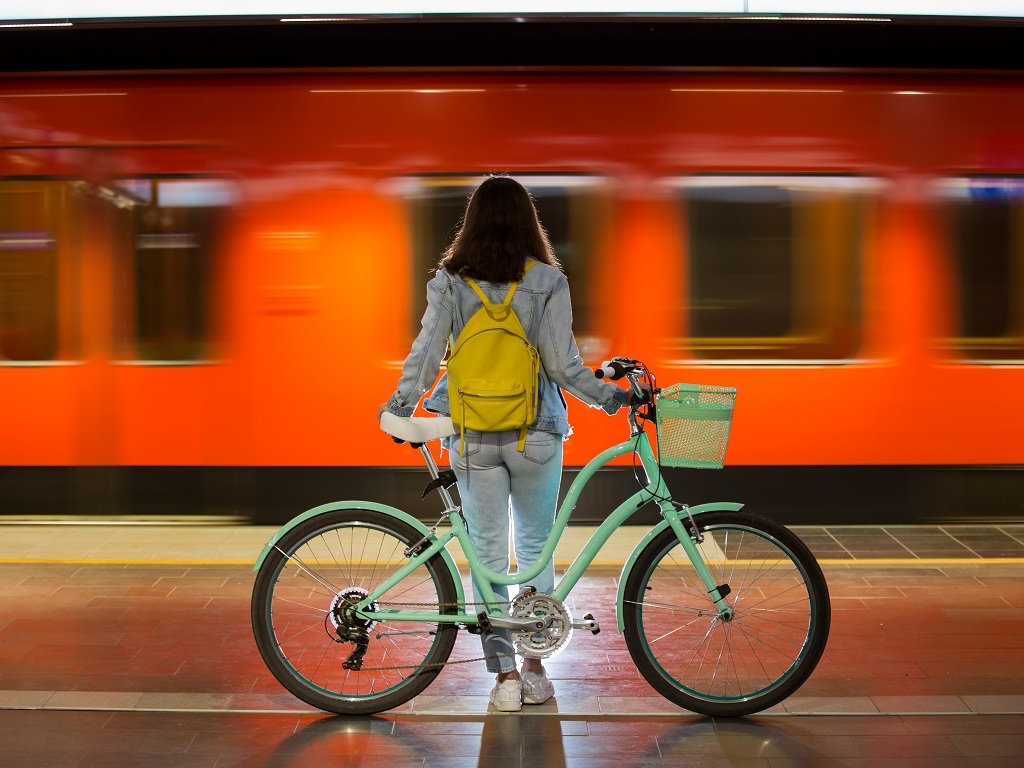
166	277
570	208
37	217
985	217
775	265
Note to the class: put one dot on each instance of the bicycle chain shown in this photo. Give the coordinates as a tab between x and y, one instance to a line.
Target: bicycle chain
436	664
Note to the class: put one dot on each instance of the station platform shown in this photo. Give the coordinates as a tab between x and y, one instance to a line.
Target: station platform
128	643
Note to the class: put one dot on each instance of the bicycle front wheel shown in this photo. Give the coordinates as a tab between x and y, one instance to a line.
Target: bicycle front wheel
309	635
727	665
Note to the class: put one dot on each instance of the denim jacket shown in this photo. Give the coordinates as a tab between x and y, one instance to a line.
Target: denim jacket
542	304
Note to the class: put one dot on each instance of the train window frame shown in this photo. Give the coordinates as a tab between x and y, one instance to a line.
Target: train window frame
129	195
582	241
63	237
832	329
965	308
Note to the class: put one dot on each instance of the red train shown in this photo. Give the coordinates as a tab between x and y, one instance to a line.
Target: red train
208	281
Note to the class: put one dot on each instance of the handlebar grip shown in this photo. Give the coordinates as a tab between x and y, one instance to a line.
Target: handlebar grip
611	369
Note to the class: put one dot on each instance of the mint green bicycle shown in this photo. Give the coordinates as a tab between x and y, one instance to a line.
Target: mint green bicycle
356	605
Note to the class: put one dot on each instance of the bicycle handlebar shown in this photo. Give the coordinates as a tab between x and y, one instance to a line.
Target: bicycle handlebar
612	369
633	370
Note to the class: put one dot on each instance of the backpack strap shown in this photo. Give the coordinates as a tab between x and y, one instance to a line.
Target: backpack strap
494	310
499	310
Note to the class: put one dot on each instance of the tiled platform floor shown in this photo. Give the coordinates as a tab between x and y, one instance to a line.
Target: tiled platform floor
130	646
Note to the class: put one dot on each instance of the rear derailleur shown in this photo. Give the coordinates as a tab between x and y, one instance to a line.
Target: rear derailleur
349	626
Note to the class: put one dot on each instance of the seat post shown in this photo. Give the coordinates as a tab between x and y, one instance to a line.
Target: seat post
428	459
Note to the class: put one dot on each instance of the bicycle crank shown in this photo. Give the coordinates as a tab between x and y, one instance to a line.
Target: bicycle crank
555	625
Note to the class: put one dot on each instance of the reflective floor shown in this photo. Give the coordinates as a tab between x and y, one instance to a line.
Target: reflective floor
130	645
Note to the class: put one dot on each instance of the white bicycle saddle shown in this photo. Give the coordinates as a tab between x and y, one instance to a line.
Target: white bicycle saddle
417	429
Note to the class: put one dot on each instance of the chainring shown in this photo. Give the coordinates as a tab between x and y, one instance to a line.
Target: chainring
547	642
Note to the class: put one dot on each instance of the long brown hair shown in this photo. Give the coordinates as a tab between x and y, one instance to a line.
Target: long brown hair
499	230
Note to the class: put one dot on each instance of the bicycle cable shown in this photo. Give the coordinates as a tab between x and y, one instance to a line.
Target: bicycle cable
643	419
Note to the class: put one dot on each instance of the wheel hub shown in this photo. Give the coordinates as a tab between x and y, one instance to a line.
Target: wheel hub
342	611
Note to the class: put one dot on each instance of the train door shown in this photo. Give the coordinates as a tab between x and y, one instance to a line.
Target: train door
114	373
175	393
41	329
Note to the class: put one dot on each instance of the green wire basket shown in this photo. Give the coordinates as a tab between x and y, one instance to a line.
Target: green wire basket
693	425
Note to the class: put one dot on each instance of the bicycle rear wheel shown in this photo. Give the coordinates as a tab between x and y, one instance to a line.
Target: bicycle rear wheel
326	655
727	667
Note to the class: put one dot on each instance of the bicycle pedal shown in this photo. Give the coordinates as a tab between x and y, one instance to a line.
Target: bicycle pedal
484	623
588	622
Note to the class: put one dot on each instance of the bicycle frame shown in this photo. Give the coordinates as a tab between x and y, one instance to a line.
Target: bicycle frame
655	490
716	658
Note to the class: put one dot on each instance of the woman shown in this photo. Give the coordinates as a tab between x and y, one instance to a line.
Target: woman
500	231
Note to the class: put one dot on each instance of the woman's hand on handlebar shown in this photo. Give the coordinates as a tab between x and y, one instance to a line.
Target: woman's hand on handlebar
641	385
631	396
380	411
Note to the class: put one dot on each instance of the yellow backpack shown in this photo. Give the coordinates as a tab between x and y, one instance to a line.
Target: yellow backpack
493	371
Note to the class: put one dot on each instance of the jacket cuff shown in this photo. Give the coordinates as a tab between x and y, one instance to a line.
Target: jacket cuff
398	410
616	402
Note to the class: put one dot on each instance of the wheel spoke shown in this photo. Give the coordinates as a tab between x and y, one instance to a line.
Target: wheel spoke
741	663
306	627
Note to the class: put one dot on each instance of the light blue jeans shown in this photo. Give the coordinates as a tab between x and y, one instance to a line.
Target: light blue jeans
499	484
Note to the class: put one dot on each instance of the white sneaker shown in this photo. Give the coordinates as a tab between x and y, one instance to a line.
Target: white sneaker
507	696
537	688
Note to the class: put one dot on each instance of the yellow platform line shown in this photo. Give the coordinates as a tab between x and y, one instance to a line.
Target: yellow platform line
117	561
922	561
559	565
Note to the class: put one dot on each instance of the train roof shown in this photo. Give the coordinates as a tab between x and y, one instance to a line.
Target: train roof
542	42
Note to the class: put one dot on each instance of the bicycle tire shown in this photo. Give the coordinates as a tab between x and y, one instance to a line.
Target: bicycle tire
764	652
297	609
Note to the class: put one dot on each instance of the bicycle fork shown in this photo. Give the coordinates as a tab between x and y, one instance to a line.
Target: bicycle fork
683	524
689	537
